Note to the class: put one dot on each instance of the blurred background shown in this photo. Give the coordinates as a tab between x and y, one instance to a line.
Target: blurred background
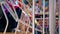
24	10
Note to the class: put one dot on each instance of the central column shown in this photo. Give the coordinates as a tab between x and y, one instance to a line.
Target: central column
52	16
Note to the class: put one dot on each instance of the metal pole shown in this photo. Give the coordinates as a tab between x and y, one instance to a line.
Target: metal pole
59	15
51	17
33	18
43	15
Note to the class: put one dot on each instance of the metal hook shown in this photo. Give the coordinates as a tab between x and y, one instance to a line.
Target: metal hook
5	17
11	12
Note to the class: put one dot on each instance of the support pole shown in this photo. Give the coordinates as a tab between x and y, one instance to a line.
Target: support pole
51	17
43	16
59	15
33	17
